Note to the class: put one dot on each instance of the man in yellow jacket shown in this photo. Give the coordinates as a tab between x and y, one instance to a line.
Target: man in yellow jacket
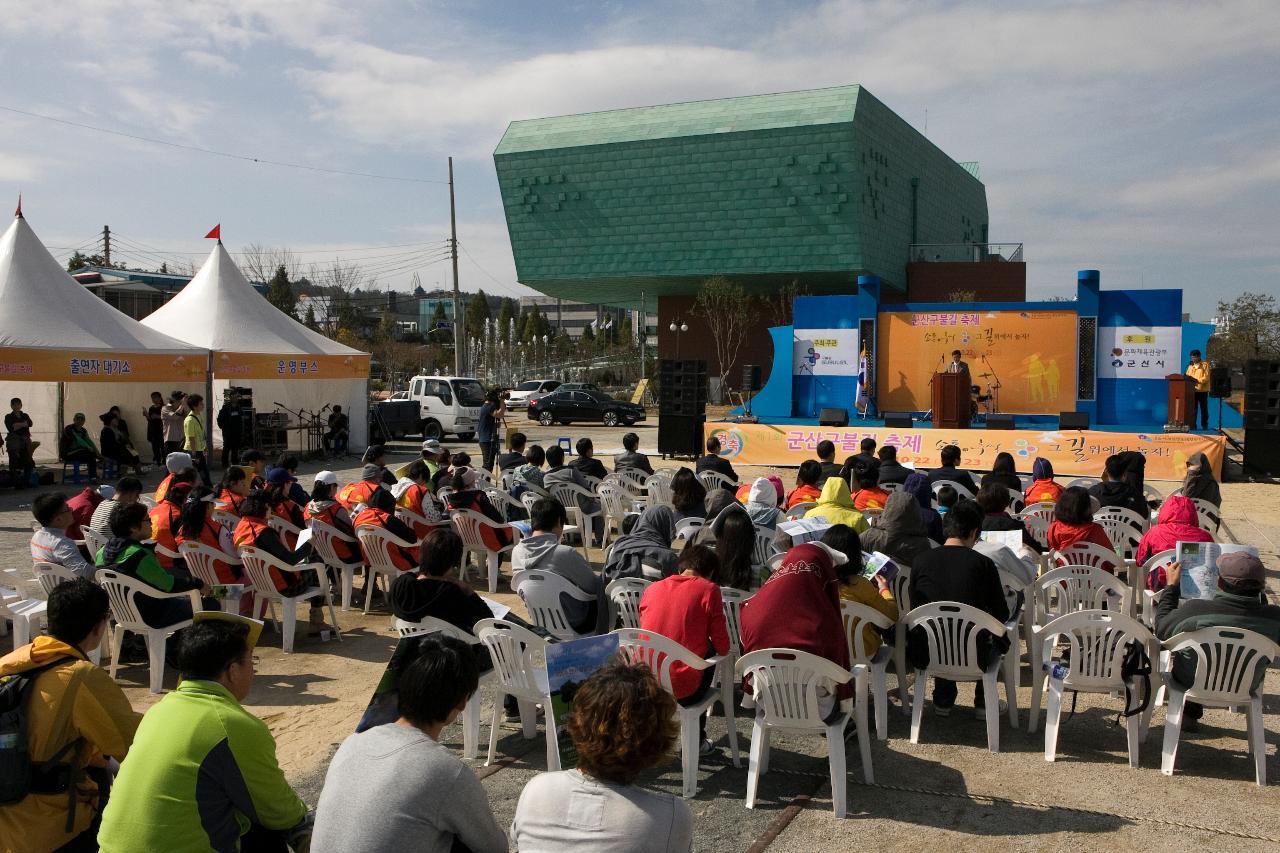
1198	369
72	704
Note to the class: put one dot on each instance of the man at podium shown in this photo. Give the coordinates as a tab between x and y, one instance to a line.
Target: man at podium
957	365
1199	371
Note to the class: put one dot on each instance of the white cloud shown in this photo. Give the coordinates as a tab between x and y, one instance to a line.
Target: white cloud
20	169
211	61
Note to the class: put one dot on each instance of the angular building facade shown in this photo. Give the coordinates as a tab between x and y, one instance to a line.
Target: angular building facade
816	187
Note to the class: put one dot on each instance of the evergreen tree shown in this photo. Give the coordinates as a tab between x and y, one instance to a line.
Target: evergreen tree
280	291
439	316
505	315
477	312
310	319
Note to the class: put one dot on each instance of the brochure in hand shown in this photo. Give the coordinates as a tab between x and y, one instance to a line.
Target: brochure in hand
878	564
1011	539
568	665
1200	566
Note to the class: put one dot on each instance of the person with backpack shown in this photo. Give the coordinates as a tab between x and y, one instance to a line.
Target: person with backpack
63	717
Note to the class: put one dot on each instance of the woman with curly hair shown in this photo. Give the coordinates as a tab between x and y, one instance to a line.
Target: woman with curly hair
621	724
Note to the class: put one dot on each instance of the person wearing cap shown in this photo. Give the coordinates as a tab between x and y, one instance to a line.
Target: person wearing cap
1238	602
413	492
164	516
257	462
324	508
202	772
277	494
290	463
172	416
354	494
173	463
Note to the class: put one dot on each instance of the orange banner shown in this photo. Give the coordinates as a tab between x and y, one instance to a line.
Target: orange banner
41	365
1078	453
1029	355
246	365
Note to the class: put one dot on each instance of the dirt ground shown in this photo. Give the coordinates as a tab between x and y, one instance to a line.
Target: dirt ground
947	789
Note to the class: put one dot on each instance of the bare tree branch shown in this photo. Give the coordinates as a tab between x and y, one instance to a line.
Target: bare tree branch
727	312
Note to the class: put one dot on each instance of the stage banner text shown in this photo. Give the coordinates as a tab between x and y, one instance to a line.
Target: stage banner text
242	365
824	352
1137	352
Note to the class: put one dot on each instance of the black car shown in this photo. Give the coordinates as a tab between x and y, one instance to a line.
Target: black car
569	406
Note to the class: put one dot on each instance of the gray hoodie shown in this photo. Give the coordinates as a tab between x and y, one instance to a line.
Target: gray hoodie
544	552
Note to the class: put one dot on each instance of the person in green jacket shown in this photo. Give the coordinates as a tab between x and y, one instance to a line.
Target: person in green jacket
202	772
128	553
193	437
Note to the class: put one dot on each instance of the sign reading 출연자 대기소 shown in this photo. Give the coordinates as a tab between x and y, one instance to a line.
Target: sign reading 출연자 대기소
824	352
1139	352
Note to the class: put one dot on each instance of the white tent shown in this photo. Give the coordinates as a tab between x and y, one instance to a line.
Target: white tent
64	349
256	345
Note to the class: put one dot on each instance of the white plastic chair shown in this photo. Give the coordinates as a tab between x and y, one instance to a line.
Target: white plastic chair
961	490
951	630
469	526
1088	554
484	479
901	586
1226	662
257	565
284	528
122	590
224	517
1150	492
712	480
856	616
732	599
765	547
1096	642
1037	528
568	494
1042	510
49	575
687	528
658	653
376	544
798	511
658	487
1017	503
632	482
471	712
323	537
200	560
613	501
26	607
502	502
784	685
625	595
515	652
540	591
1208	515
93	541
1084	482
1121	513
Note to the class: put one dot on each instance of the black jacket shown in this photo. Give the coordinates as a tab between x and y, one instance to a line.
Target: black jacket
956	573
955	475
1009	481
713	462
510	460
1119	493
829	469
637	461
1174	616
413	599
893	472
591	467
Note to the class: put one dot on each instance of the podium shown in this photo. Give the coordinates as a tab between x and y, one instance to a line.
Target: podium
1182	399
951	406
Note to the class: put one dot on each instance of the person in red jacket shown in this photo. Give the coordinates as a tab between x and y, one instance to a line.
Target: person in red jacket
324	508
1177	522
1043	489
164	515
82	507
687	608
380	511
354	494
254	531
1073	522
233	489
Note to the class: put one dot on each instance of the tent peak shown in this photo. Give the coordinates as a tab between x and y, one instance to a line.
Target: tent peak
18	213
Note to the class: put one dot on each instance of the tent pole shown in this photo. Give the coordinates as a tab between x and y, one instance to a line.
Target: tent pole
57	428
209	410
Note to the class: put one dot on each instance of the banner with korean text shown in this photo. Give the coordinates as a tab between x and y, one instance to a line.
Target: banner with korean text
248	365
1074	452
48	365
1138	352
824	352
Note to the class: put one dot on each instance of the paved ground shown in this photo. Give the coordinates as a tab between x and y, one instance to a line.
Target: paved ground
945	791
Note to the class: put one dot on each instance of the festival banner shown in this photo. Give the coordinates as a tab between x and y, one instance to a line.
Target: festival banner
824	352
249	365
1139	352
1025	360
1078	453
30	364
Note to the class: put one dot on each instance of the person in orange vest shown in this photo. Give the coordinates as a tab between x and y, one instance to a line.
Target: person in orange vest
195	524
233	489
164	516
325	509
173	463
380	511
258	462
253	531
354	494
414	494
277	492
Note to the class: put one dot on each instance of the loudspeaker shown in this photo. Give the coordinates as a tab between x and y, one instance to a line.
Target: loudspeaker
1001	421
898	420
1073	420
1219	382
751	377
833	417
1262	451
680	435
682	388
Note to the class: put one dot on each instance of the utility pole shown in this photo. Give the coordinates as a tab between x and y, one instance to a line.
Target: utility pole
106	245
453	251
644	333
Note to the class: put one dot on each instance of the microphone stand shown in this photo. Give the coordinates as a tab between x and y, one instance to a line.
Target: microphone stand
995	386
933	377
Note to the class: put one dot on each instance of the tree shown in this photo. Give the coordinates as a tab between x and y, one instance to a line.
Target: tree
1250	328
260	263
724	306
310	319
79	261
780	304
280	291
506	314
477	312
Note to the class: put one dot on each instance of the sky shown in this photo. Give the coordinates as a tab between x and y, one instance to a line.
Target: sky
1138	138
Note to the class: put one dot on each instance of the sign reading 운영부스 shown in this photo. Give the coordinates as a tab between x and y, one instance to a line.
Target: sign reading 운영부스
1139	352
824	352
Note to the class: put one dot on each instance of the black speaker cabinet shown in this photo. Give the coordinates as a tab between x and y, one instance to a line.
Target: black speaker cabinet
1219	382
898	420
1262	450
833	417
1073	420
999	421
751	377
680	435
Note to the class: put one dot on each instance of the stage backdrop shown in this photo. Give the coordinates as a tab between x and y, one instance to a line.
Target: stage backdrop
1032	353
1074	453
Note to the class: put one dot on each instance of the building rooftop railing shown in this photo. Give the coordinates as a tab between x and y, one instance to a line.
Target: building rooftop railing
966	252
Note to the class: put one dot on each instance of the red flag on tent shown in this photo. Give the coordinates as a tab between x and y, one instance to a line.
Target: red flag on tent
18	212
215	233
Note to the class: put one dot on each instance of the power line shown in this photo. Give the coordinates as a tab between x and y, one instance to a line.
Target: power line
227	154
506	287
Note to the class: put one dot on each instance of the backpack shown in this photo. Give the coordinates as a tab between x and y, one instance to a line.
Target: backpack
1136	662
19	775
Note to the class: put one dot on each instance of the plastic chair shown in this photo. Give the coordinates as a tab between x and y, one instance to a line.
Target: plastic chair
49	575
200	560
375	544
658	487
951	630
799	510
1161	559
227	519
1017	595
658	653
1042	510
625	594
471	712
513	650
632	482
784	684
687	528
1121	513
323	537
1124	539
469	525
712	480
540	591
257	565
568	494
122	590
764	548
1226	662
1084	482
732	599
25	607
613	500
856	616
901	586
502	502
284	528
1208	515
1150	492
961	490
93	541
1096	643
1037	528
1088	554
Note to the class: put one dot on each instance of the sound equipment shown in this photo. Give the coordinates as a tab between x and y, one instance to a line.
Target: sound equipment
1073	420
833	417
751	377
898	420
997	421
682	388
1262	395
1219	382
680	435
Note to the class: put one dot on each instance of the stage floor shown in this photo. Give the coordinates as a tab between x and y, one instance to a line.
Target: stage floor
1021	422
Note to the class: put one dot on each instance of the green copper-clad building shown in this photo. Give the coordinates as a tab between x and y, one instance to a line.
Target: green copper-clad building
816	186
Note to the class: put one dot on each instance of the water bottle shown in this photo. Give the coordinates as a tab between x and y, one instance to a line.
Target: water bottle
1058	671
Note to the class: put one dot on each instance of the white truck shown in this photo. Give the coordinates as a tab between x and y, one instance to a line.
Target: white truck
448	405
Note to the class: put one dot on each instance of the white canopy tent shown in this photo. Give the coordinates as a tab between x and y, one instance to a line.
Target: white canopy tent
63	350
256	345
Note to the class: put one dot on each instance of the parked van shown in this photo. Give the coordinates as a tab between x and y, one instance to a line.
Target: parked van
449	405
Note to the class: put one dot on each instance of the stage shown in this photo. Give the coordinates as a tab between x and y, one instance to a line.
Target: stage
1072	452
